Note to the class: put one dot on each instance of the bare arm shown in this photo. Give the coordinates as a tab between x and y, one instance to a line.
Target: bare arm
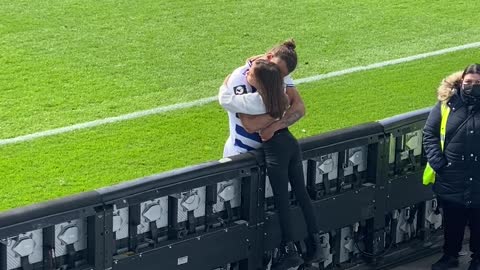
254	123
296	110
292	115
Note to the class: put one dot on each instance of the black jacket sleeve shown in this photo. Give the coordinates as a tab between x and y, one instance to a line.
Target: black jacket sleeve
431	139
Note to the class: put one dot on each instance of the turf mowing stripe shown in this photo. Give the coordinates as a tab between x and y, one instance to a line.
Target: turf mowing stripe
108	120
203	101
387	63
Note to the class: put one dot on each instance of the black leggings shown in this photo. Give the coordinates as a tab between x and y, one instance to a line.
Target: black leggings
284	163
455	218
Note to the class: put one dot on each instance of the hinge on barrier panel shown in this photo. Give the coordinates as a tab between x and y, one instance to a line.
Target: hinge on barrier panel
25	263
154	231
210	200
320	190
133	243
191	222
436	209
412	216
48	259
393	228
228	207
357	177
222	222
326	184
227	194
70	256
411	158
398	155
114	243
339	183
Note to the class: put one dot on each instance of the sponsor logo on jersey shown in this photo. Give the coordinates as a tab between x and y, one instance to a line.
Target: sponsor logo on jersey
240	89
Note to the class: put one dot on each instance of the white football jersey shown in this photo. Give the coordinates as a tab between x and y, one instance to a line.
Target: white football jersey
237	96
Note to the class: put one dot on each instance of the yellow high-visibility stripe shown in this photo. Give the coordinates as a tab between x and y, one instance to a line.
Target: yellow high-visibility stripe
429	173
445	111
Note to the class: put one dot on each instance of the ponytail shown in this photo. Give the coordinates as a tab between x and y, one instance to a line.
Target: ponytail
286	52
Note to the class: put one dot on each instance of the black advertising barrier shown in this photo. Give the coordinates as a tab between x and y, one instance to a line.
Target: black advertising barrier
231	236
185	177
38	224
412	205
408	164
219	214
31	217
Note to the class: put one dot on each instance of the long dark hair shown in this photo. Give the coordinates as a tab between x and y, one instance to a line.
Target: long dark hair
471	69
286	52
271	88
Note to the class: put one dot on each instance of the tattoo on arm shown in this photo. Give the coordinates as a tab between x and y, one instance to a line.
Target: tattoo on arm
289	120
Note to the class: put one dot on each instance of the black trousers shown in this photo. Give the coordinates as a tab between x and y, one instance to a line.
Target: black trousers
455	218
284	164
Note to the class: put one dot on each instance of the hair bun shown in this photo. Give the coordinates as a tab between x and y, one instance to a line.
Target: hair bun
290	44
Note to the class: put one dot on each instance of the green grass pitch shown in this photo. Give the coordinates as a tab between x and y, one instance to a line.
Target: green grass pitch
67	62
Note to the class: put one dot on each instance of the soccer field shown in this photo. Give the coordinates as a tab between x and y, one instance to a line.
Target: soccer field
69	62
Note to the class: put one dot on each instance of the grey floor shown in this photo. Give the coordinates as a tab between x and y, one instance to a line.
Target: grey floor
426	263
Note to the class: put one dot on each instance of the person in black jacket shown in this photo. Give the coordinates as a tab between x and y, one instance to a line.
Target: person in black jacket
457	167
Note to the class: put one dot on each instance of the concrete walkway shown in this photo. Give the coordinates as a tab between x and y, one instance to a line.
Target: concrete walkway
426	263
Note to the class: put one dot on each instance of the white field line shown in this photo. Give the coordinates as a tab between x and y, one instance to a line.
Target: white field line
107	120
203	101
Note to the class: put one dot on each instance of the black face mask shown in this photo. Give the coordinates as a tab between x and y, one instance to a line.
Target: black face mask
472	90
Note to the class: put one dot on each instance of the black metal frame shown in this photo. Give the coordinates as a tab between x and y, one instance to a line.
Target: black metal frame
369	198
